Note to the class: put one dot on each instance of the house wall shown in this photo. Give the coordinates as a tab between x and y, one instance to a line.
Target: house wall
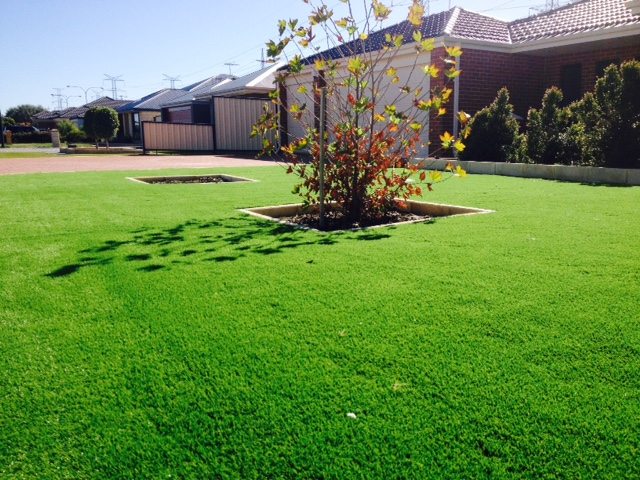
589	60
485	72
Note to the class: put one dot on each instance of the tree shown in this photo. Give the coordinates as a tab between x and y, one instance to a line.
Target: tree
544	128
101	123
376	115
616	135
8	121
495	122
23	113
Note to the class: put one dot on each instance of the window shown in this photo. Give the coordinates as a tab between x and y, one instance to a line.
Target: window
571	82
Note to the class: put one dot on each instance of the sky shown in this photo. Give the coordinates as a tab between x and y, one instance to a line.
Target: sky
50	44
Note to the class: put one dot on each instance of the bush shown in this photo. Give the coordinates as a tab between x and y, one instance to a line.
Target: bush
32	137
616	133
497	123
70	132
544	128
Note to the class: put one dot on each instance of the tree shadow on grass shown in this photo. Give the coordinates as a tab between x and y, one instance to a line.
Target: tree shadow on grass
215	241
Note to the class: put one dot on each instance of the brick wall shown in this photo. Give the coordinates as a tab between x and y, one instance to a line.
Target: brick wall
484	73
589	60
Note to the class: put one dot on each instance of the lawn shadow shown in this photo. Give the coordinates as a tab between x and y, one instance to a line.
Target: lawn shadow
214	241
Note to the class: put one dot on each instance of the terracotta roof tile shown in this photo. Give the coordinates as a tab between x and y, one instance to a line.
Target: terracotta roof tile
578	17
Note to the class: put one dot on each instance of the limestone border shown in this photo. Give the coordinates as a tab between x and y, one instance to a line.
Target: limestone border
565	173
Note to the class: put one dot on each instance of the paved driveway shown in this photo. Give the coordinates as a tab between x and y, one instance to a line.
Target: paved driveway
95	163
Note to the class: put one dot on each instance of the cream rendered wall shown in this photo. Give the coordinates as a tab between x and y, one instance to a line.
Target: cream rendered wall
409	66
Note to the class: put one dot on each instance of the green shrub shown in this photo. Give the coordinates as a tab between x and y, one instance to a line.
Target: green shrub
544	129
70	132
494	133
616	133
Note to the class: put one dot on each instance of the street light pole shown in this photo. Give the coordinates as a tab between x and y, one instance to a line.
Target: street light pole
85	90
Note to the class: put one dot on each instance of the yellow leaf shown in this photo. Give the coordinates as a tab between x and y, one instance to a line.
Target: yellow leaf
449	167
302	89
442	111
416	12
460	171
320	64
379	118
391	72
364	36
463	117
416	127
431	70
446	139
459	146
435	176
417	36
453	51
395	79
428	45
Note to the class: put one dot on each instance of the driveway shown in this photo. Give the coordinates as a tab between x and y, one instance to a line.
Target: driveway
100	163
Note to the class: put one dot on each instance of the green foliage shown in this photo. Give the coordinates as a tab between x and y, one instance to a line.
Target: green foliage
70	132
23	113
601	129
616	136
544	127
101	123
495	133
8	121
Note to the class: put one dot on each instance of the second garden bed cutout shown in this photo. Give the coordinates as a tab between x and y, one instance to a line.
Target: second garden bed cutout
207	178
409	211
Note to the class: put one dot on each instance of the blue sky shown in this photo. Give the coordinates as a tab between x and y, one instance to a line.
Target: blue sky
49	44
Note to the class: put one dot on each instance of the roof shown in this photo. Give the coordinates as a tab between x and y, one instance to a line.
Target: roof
578	17
188	93
152	101
78	112
260	81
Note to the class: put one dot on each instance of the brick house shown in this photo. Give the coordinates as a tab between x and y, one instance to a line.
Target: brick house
567	47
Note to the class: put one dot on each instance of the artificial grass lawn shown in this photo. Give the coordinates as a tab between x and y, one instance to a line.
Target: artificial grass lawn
16	153
150	331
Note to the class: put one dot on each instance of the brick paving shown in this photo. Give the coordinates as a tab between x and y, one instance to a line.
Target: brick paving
99	163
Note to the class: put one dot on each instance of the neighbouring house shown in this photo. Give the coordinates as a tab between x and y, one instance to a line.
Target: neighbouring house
185	108
146	109
567	47
45	120
216	117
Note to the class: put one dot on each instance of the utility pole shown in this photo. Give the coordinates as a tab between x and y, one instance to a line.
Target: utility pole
58	96
172	80
229	64
114	79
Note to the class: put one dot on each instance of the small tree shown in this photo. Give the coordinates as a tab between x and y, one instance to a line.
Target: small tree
616	134
8	121
544	127
101	123
23	113
495	133
375	115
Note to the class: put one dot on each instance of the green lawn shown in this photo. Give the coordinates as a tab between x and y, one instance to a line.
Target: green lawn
15	153
152	331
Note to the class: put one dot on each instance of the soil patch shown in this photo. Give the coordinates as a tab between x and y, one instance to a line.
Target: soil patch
217	178
336	220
